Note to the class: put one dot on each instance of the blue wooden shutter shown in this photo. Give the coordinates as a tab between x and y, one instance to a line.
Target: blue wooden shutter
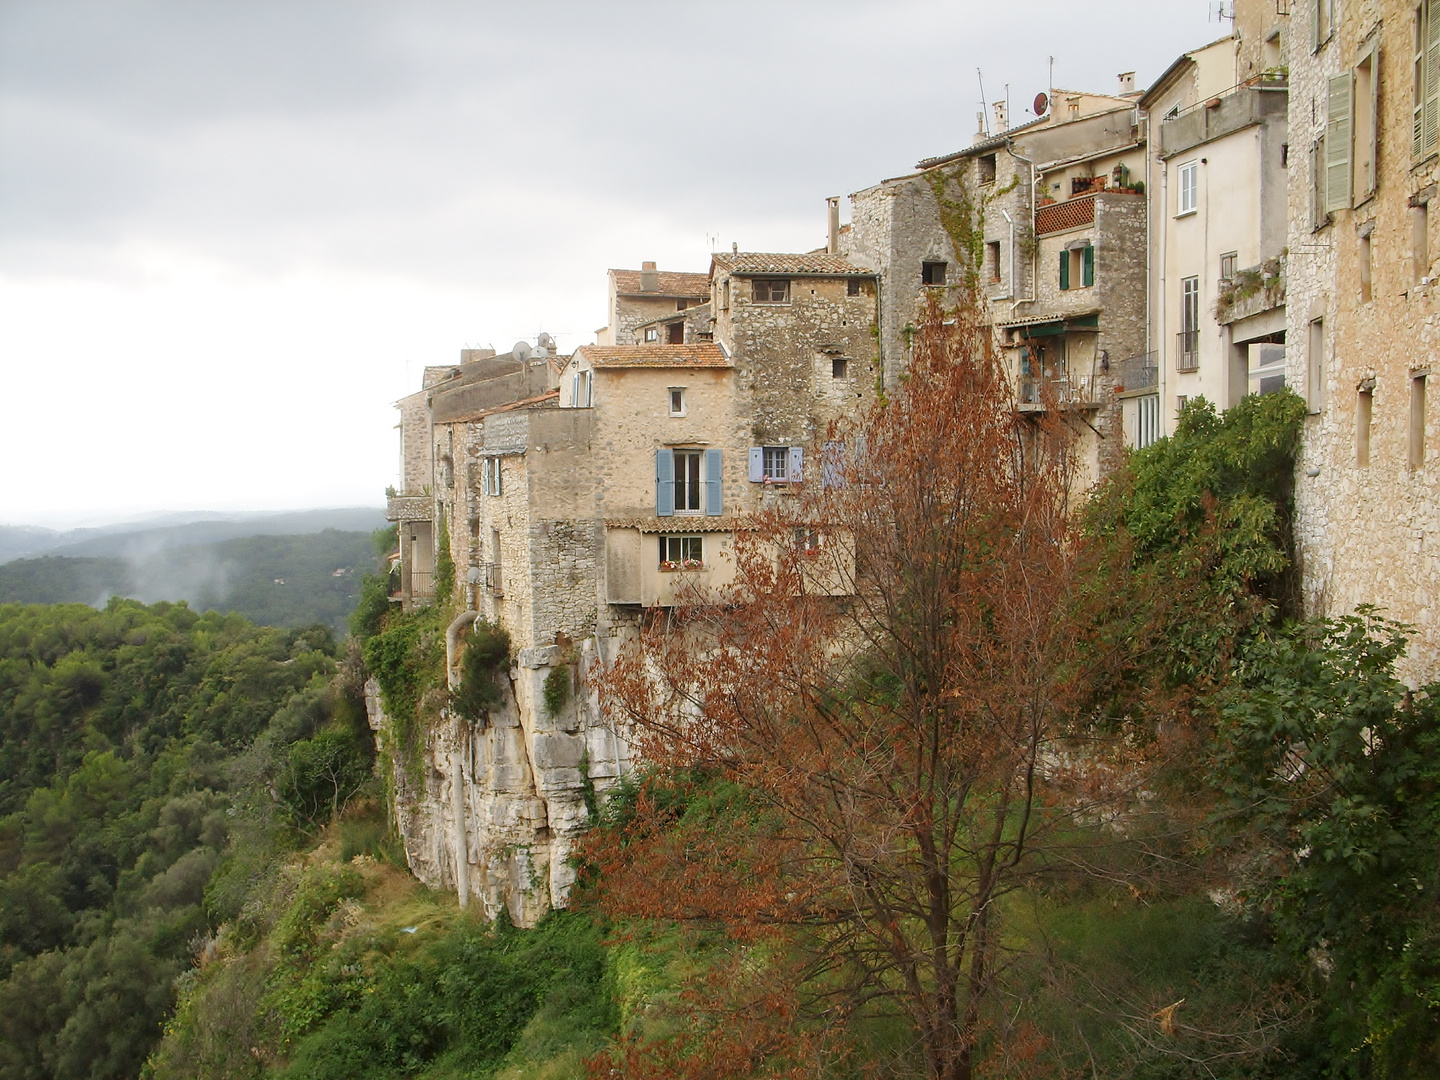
664	483
713	480
797	465
1089	264
1064	269
757	464
832	464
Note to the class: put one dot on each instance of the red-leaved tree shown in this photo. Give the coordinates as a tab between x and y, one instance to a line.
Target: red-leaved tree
899	703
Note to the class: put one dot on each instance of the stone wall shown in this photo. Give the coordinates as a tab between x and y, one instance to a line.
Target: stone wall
1365	533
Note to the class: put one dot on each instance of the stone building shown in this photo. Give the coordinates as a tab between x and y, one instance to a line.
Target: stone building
1047	222
638	298
1216	177
578	492
1363	318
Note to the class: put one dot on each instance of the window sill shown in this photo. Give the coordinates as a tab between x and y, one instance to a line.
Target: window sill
1187	213
680	568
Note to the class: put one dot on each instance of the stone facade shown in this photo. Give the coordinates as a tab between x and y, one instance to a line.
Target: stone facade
638	297
1363	318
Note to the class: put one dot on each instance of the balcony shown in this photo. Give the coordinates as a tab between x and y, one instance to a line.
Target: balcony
409	508
1251	291
1217	117
1138	373
1187	350
1070	214
422	584
1066	391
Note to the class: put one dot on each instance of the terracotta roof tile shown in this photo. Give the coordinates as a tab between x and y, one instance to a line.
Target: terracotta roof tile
760	262
699	355
672	284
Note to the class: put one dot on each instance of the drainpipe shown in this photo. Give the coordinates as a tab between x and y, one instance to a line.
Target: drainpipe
1162	368
457	757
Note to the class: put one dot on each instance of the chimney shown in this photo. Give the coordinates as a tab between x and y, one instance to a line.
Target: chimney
980	133
649	277
1002	117
1127	83
832	238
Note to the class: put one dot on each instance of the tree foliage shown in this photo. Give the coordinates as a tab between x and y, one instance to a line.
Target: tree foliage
913	753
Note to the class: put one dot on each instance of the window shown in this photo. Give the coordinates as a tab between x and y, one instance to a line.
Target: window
933	273
1364	407
1227	265
677	401
807	541
682	552
1077	266
770	290
1419	242
777	464
1365	265
580	390
687	482
681	305
1322	17
675	333
1366	125
992	261
1427	80
1339	104
490	476
1147	420
985	167
1187	352
839	367
1417	418
853	287
725	295
1189	188
1315	366
652	334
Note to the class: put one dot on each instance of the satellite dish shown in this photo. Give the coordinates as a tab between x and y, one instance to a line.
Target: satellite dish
473	575
521	352
545	341
1041	104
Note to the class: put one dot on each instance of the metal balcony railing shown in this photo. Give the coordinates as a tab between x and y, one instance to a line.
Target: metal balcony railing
1187	350
1136	373
1064	389
422	583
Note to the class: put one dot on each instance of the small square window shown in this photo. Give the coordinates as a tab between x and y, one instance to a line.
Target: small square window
677	401
839	367
852	287
1227	266
933	273
770	290
652	334
777	464
986	166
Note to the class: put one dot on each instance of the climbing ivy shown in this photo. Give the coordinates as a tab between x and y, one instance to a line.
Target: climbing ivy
963	216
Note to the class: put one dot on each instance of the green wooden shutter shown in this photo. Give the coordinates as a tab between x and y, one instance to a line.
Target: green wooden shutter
1338	142
1064	269
1089	265
713	478
1315	20
1430	70
664	483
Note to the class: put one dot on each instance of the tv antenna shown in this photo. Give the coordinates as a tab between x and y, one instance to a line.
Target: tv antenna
984	101
1219	12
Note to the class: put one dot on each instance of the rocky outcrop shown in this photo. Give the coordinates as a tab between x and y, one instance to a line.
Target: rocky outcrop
496	808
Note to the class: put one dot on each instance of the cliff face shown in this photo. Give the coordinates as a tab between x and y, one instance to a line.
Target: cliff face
496	808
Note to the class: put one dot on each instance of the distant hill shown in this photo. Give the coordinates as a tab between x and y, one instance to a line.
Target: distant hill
180	530
288	580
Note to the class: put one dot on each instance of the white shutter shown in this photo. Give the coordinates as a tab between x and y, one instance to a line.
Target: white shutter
1338	142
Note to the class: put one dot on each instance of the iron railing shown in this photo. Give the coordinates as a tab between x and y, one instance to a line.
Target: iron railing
1187	350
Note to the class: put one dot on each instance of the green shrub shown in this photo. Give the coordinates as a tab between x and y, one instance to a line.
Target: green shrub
487	655
557	690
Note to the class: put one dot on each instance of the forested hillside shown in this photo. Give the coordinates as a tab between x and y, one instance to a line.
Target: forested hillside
272	580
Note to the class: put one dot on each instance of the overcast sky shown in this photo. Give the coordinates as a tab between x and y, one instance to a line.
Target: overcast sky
232	232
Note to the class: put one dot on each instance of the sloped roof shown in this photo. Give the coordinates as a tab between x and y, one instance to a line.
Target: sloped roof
700	355
760	262
539	401
671	283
